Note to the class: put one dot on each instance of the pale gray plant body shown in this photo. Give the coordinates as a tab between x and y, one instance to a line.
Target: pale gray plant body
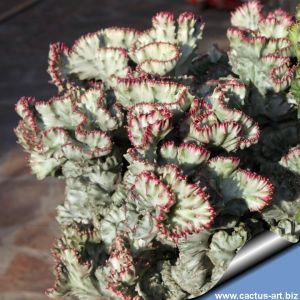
168	171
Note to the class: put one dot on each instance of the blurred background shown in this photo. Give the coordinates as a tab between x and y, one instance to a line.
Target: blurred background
27	206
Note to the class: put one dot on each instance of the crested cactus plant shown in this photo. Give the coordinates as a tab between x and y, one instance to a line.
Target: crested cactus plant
167	178
260	52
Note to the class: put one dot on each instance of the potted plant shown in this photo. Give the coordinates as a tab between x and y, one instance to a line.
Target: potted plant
172	160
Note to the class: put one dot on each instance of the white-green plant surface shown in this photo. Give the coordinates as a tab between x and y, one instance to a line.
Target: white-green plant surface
172	160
